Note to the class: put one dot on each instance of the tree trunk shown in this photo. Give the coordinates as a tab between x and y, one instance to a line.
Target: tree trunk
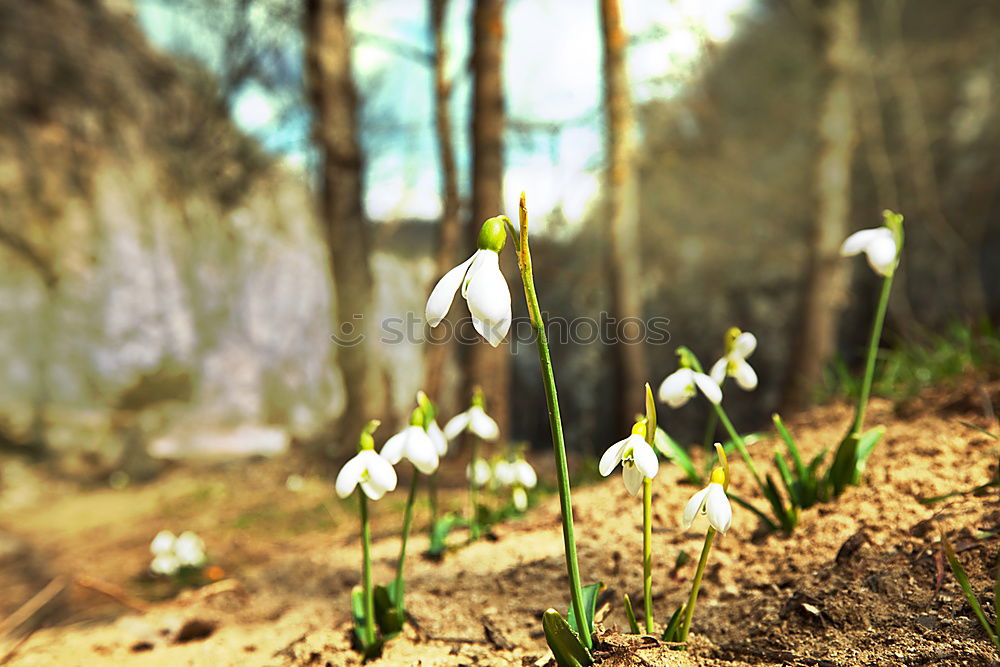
622	222
437	352
487	367
837	132
334	100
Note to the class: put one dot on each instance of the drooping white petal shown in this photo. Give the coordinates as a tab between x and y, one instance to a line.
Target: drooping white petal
395	447
439	302
381	476
677	388
420	450
858	241
720	513
477	263
744	345
489	298
437	436
746	376
718	371
882	254
525	474
479	472
645	458
520	498
350	475
708	386
694	506
482	424
456	425
162	543
612	457
166	564
632	477
190	549
503	473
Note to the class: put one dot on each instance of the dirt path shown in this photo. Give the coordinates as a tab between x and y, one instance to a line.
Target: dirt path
860	582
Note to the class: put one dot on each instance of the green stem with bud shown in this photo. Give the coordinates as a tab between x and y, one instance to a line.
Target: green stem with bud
866	383
696	585
555	423
647	551
407	523
366	570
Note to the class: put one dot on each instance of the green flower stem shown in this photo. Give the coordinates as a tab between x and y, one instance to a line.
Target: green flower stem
710	424
866	384
432	498
647	551
696	585
366	569
407	523
740	445
474	493
555	425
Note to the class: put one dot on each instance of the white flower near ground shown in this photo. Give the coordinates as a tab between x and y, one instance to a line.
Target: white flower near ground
734	363
524	474
475	420
520	498
479	472
413	443
637	458
171	553
678	387
484	289
374	473
503	473
713	502
878	243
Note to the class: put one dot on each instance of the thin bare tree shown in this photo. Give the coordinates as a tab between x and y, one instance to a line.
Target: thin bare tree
837	28
334	101
621	218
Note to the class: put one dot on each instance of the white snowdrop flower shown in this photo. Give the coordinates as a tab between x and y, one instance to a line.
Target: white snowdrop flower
479	472
713	502
739	346
475	420
679	387
374	473
163	543
636	456
166	564
190	549
524	474
483	287
879	244
520	498
504	473
415	444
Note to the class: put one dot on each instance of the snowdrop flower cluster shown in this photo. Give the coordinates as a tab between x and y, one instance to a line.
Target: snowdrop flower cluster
482	284
171	553
519	475
637	457
739	346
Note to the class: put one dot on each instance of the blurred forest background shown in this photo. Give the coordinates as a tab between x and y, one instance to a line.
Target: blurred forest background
195	195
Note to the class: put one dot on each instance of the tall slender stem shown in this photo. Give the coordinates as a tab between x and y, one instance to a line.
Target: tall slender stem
366	569
555	425
710	424
647	551
474	492
432	499
866	383
739	444
696	585
407	522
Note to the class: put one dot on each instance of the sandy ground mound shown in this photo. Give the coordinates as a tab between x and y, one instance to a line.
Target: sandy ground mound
860	582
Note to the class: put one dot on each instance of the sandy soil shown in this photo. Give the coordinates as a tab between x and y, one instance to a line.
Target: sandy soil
861	581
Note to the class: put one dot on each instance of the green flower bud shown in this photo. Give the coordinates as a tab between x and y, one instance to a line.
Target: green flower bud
430	412
477	398
417	418
492	235
365	440
894	221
